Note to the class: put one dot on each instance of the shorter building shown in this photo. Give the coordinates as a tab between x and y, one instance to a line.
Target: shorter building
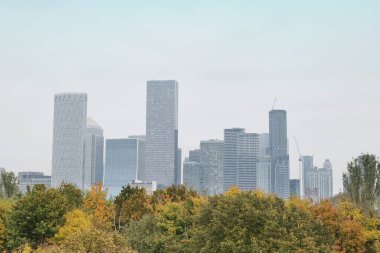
124	163
30	179
295	187
192	175
212	160
150	187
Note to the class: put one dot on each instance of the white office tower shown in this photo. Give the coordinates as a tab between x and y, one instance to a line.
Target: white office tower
325	181
70	114
264	165
162	132
93	161
312	182
247	160
307	168
212	159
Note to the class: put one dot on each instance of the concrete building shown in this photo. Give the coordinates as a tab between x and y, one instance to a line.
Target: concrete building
30	179
162	132
93	157
248	150
124	163
312	182
195	155
178	168
212	159
70	114
149	187
278	142
192	175
295	187
264	164
230	157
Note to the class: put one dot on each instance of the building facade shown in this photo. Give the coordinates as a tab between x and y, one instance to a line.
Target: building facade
124	163
162	132
325	181
264	164
192	175
30	179
307	168
230	157
93	158
69	133
248	150
295	187
278	142
212	160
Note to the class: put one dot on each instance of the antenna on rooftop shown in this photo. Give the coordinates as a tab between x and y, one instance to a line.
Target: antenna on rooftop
274	103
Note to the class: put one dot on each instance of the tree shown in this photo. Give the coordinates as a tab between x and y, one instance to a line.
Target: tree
9	184
76	222
362	181
6	206
74	196
131	204
36	217
96	204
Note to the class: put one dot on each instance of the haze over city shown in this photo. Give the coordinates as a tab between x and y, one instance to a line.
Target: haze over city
320	61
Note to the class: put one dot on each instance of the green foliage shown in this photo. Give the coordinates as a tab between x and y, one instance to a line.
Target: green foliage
362	181
6	207
37	216
73	195
8	185
130	205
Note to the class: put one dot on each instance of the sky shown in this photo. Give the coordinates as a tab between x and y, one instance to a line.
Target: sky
321	59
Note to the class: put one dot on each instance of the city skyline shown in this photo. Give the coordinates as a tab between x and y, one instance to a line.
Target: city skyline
231	58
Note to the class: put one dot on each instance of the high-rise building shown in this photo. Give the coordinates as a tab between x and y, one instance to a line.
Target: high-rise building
295	187
192	175
307	168
212	159
264	164
230	157
325	180
70	114
93	157
278	142
178	168
248	149
162	132
312	190
30	179
124	163
195	155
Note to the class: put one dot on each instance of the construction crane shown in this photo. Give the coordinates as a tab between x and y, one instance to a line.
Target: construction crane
300	168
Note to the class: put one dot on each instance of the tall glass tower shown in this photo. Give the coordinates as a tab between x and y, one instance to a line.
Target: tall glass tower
70	114
278	145
162	133
230	157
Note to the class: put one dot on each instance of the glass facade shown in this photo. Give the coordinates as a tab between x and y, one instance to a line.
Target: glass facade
124	159
278	142
212	159
30	179
162	132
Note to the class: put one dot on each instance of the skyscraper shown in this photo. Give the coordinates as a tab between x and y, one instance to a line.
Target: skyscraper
178	168
307	168
248	149
278	142
325	180
230	157
93	160
162	132
70	114
124	163
212	159
264	165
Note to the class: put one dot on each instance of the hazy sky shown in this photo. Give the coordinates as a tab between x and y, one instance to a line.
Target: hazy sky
231	58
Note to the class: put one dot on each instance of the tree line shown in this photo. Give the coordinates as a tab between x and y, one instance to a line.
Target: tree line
177	219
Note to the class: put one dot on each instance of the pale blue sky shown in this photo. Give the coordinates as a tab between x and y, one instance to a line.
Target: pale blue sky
231	58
